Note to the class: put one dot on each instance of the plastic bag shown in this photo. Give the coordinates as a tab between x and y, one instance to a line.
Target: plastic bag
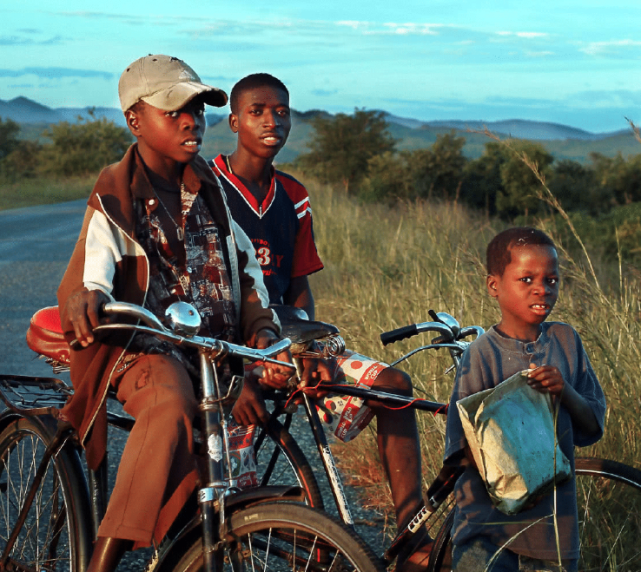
510	430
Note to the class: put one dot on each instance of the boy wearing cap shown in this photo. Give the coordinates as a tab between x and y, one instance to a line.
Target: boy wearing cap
157	230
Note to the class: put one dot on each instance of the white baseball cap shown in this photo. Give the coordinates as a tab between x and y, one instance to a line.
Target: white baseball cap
166	83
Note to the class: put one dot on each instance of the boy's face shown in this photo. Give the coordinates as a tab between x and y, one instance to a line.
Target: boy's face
527	291
166	137
262	121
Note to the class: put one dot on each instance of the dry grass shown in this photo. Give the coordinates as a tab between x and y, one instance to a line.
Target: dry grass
385	267
32	192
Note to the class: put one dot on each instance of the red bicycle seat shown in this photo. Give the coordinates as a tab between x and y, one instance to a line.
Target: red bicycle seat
44	335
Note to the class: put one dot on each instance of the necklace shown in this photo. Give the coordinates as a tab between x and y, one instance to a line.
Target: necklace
228	164
180	233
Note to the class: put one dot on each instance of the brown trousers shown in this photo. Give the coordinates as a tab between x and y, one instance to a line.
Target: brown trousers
158	469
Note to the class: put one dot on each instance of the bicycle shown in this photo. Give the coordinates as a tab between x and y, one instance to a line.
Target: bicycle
50	510
609	491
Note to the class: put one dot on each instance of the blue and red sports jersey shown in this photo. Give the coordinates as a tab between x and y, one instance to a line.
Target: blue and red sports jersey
280	228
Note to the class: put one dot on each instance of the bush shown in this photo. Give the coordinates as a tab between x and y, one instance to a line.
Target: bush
342	146
83	148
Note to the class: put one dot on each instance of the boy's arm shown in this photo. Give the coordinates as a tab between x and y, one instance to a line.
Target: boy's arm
255	314
299	294
88	280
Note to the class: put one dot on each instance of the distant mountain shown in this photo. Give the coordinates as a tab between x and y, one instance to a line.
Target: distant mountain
404	121
562	141
23	110
72	114
523	129
517	128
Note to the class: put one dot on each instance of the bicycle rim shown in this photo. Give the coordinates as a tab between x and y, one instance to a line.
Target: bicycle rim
280	461
49	538
609	507
281	537
609	501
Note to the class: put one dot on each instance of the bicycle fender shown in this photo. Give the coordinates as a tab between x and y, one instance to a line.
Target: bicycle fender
177	547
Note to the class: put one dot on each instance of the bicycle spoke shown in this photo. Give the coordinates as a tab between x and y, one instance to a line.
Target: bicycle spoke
43	542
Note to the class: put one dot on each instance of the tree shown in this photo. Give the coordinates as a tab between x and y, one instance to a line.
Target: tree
438	171
482	178
619	180
85	147
389	178
9	130
342	146
521	187
23	162
573	185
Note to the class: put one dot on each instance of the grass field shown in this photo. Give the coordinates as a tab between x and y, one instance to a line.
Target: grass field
385	268
31	192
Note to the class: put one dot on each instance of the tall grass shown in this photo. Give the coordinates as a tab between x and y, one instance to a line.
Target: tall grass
386	267
41	191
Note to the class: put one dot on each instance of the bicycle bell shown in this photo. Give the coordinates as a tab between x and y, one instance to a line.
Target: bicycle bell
183	318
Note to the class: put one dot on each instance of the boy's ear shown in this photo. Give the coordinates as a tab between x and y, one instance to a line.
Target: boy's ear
132	122
492	282
233	122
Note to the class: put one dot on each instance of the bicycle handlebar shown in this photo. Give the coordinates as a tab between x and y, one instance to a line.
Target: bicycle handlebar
180	335
414	329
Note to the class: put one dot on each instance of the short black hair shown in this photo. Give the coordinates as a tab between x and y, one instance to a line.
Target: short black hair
500	247
253	81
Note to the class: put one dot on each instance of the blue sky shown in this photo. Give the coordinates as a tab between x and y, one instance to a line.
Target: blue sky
572	62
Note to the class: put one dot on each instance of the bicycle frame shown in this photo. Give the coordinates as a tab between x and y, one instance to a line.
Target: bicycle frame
449	338
215	495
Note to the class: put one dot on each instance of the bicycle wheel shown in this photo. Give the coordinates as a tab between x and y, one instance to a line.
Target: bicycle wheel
280	461
609	503
282	536
56	532
609	500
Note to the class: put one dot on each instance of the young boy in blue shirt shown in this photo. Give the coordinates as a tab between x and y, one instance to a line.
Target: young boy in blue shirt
523	277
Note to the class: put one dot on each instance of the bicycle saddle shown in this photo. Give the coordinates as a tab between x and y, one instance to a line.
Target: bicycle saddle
298	328
45	337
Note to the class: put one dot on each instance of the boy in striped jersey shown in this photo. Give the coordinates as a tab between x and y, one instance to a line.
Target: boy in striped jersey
273	209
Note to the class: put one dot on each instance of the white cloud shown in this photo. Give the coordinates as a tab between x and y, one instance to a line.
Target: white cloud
543	54
372	28
526	35
354	24
598	48
413	28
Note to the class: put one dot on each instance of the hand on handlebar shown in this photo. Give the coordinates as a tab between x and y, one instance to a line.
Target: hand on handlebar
315	372
273	375
83	310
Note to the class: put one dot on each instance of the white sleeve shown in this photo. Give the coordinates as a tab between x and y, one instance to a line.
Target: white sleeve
104	245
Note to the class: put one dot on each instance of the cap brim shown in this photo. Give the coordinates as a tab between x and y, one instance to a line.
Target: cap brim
179	95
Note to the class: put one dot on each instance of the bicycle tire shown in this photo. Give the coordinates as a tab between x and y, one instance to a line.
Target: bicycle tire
282	536
609	503
280	461
56	533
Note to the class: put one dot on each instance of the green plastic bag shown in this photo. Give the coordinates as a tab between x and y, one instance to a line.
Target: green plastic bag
510	430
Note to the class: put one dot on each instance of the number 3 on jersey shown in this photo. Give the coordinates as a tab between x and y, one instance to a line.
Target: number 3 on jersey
264	256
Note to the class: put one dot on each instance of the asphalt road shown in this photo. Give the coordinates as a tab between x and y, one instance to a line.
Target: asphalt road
35	246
